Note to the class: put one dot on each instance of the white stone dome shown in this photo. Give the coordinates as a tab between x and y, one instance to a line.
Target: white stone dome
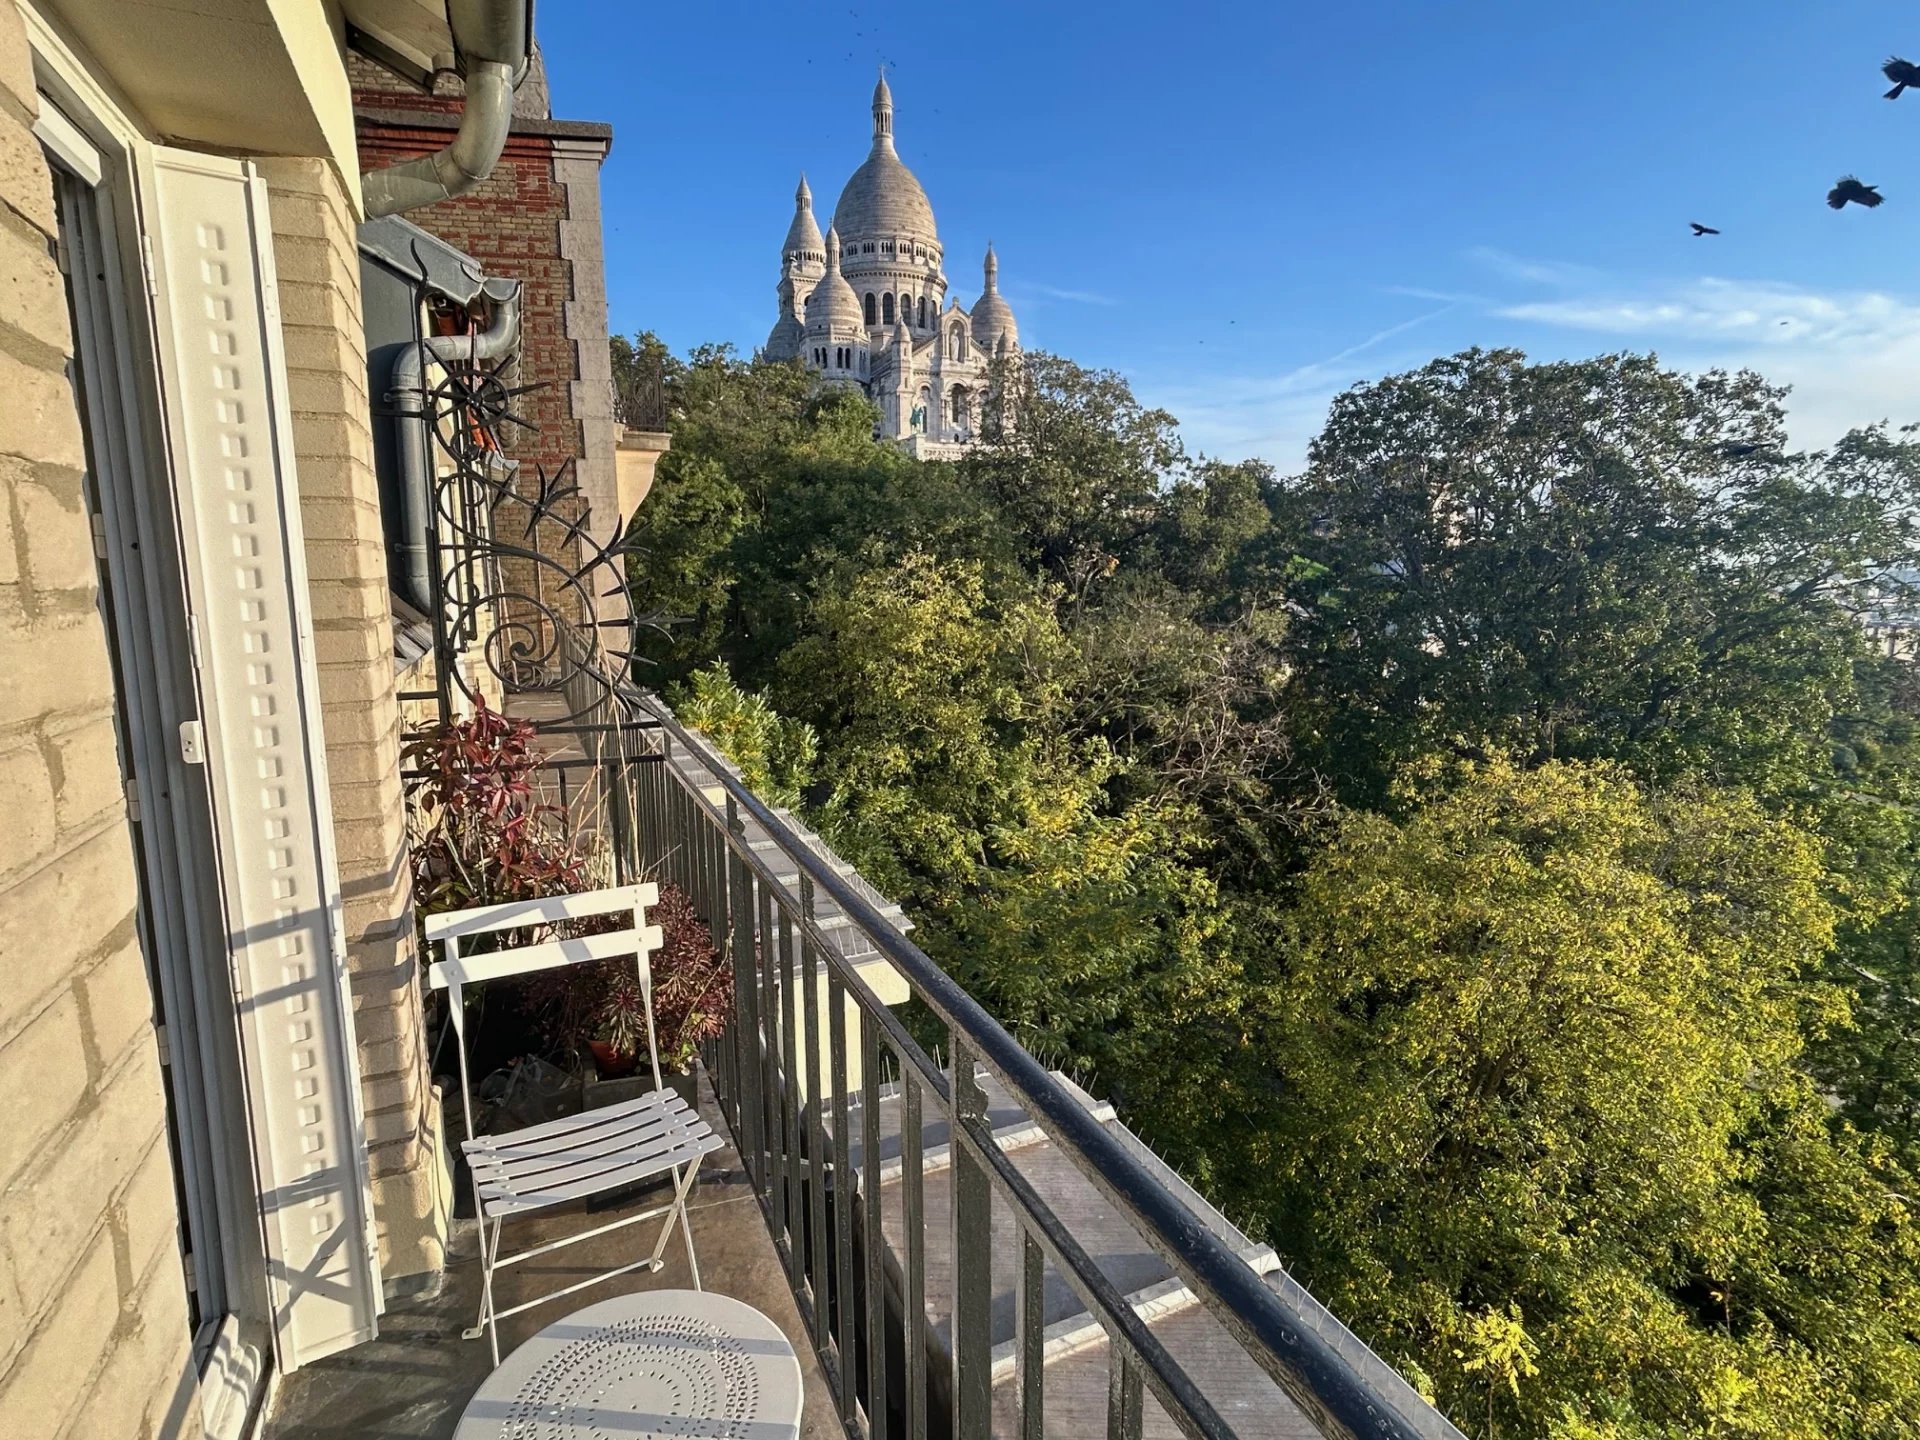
991	319
882	197
803	236
786	338
833	305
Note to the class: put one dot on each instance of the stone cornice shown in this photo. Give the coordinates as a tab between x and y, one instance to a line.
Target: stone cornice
587	135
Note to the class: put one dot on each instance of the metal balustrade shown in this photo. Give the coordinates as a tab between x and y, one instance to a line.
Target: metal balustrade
783	1073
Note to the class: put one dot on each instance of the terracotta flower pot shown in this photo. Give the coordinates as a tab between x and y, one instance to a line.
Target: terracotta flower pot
611	1064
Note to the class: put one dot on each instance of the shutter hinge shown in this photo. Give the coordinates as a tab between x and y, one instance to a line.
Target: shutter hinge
166	1050
146	260
99	523
193	742
133	802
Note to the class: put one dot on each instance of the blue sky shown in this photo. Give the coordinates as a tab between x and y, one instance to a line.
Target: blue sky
1245	208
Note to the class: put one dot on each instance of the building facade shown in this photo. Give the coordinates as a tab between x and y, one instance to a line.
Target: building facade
867	305
224	1153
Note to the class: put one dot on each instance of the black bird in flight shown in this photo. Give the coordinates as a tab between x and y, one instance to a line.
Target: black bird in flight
1903	73
1847	188
1699	229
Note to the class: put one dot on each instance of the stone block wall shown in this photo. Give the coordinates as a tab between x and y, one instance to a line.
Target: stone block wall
319	282
94	1334
576	167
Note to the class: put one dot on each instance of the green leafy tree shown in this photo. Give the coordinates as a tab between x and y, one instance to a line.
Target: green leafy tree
936	703
1598	558
1076	463
1538	1045
1212	521
739	428
1871	817
957	785
775	754
1198	710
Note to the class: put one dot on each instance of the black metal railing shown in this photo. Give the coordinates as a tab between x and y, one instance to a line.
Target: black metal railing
784	1089
640	393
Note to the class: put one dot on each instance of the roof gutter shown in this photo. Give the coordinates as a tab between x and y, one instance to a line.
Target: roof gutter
492	40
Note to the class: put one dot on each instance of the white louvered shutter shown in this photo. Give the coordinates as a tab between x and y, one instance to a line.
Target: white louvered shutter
218	321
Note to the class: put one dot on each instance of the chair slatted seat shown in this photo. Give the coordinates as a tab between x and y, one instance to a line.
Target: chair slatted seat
521	1172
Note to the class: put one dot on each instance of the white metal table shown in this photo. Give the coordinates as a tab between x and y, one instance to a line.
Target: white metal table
646	1366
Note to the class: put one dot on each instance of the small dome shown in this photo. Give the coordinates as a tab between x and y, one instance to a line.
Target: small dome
882	197
803	236
788	336
833	303
992	318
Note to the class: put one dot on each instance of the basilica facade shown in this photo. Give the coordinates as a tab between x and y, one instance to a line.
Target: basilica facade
867	305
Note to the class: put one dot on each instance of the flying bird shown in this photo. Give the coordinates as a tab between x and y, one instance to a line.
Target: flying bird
1699	229
1847	188
1903	73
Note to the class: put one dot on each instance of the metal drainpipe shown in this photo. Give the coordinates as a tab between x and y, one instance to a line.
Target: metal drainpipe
407	396
491	39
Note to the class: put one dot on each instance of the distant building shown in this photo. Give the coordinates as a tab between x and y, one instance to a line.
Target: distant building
864	305
1892	621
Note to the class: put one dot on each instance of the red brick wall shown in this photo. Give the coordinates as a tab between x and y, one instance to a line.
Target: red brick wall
511	225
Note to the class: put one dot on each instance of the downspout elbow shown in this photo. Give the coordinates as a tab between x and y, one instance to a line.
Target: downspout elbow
459	168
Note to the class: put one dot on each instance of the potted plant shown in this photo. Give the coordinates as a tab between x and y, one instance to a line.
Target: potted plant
692	1001
478	831
479	834
598	1010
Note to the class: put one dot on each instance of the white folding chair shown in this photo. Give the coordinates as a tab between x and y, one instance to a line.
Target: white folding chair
522	1172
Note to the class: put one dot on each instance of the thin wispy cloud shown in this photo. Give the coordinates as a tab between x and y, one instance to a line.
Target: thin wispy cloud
1276	416
1380	337
1531	271
1849	356
1071	297
1445	297
1774	315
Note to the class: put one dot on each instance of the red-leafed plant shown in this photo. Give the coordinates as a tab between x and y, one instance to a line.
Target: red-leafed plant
480	834
600	1007
692	981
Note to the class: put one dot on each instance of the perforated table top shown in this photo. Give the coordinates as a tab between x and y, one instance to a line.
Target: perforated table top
648	1366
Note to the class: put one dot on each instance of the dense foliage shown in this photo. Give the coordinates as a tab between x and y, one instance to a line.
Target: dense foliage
481	834
1488	863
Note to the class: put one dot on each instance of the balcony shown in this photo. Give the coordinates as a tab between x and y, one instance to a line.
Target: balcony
958	1241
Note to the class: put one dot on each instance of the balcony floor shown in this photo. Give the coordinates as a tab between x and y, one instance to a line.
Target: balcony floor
413	1382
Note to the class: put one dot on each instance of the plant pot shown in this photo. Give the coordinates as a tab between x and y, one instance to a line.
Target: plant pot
611	1064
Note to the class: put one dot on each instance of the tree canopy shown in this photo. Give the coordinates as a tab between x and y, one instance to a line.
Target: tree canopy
1487	863
1539	1042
